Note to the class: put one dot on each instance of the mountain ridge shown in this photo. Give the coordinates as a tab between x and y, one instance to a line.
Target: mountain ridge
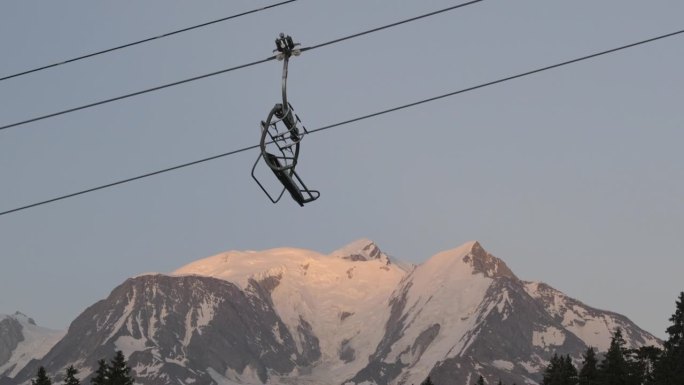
288	315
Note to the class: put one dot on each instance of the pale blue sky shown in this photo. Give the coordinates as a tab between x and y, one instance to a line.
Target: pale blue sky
574	176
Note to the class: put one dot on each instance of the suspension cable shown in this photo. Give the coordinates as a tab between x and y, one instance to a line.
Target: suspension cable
345	122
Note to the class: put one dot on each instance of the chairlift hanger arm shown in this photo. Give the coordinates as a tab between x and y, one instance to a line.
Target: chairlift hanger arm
286	105
286	47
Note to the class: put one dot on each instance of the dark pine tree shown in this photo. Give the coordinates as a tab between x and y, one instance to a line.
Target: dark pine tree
560	371
70	377
119	372
589	375
480	381
41	378
614	369
101	376
568	371
427	381
552	373
643	363
670	367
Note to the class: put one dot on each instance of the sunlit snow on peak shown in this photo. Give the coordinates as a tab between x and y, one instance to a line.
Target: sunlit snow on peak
339	297
361	250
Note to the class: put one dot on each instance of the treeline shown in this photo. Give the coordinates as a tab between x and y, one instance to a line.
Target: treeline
648	365
620	366
116	372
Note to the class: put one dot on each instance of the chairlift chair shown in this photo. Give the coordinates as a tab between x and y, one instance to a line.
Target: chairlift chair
281	136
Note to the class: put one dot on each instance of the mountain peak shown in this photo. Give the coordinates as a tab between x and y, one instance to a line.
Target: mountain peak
486	263
360	250
23	318
475	258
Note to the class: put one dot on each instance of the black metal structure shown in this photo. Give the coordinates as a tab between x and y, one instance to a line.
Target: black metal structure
281	135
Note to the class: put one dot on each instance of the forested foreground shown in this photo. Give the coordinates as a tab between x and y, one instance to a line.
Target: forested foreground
116	372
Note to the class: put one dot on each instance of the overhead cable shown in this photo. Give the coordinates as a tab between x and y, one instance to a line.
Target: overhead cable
493	82
157	88
335	41
105	101
167	34
386	111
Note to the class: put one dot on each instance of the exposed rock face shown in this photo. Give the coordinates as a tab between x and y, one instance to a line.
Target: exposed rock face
10	337
175	328
463	313
361	250
486	264
592	325
513	341
287	316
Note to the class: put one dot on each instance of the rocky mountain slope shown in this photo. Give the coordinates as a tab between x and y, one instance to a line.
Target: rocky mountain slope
293	316
21	341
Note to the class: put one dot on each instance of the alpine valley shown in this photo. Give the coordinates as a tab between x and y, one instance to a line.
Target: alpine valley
293	316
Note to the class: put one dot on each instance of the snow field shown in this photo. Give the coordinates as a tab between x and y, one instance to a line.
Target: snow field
342	300
446	292
37	342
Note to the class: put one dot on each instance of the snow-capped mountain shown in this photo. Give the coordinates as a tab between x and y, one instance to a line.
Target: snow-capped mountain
294	316
463	313
21	341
